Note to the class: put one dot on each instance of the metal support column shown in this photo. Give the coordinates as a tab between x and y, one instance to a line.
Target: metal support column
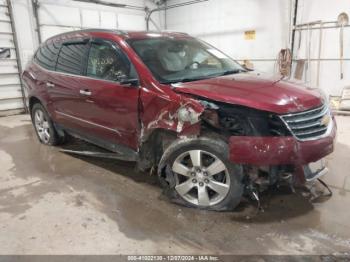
35	5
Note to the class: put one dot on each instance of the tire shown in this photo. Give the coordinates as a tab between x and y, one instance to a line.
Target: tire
197	173
44	127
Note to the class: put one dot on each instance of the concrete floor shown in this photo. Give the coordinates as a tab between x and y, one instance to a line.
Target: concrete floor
54	203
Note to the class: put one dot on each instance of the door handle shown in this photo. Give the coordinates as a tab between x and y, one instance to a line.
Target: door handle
32	75
85	92
48	84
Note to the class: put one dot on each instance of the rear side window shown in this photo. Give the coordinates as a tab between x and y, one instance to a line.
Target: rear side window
71	58
46	56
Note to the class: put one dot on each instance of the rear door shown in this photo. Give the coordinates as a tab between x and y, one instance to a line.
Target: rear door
65	83
42	70
109	95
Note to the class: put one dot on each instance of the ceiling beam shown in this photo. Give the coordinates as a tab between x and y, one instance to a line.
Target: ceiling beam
99	2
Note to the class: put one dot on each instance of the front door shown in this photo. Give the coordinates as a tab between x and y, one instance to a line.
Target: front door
108	108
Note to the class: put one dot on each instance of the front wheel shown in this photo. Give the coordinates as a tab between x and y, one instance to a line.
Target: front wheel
197	173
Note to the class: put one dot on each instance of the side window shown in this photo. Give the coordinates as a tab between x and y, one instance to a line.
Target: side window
46	56
108	62
71	58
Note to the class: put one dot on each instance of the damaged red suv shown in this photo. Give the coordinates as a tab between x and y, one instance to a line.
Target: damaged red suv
213	129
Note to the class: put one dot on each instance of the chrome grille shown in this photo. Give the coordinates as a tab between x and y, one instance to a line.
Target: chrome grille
309	124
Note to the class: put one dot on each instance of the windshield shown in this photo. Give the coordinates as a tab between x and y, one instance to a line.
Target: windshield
182	60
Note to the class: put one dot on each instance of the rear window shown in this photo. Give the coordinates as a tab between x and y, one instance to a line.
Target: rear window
71	58
46	56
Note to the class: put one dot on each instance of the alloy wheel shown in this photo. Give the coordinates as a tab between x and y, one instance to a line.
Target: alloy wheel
201	178
42	126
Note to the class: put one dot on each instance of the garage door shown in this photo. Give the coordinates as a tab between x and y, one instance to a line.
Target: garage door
11	99
82	16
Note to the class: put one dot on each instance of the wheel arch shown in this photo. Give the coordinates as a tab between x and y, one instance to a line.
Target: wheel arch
32	101
153	146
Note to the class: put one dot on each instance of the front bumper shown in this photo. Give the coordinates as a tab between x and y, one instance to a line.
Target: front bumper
314	170
264	151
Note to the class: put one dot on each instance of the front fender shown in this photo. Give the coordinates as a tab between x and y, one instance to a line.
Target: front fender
169	111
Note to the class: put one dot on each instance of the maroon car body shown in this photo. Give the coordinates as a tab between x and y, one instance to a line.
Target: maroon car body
120	114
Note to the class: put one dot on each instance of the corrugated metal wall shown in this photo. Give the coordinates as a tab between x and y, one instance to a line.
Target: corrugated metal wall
54	17
79	16
10	85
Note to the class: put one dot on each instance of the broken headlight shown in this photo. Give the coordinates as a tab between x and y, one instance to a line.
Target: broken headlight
244	121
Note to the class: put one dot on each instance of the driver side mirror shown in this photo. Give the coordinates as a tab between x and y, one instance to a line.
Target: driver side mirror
129	81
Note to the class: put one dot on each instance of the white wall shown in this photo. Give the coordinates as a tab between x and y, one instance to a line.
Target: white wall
25	29
325	10
223	23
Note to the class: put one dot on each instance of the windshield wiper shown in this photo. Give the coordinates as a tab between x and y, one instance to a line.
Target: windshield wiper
231	72
192	79
183	80
228	72
188	79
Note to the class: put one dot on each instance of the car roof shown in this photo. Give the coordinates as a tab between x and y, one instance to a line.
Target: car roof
121	33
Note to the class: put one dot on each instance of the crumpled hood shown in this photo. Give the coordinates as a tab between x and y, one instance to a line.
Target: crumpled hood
256	91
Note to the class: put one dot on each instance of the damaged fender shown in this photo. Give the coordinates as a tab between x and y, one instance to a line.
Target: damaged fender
175	113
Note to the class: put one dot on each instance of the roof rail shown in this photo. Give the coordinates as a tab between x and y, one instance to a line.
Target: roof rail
115	31
171	31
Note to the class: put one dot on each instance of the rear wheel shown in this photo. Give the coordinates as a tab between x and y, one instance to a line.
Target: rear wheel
44	127
197	173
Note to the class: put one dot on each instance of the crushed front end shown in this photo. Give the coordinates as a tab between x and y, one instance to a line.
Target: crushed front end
274	147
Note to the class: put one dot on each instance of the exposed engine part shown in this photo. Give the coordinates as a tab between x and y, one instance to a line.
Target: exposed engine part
233	124
253	194
209	105
260	179
239	120
273	174
253	122
265	176
288	178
